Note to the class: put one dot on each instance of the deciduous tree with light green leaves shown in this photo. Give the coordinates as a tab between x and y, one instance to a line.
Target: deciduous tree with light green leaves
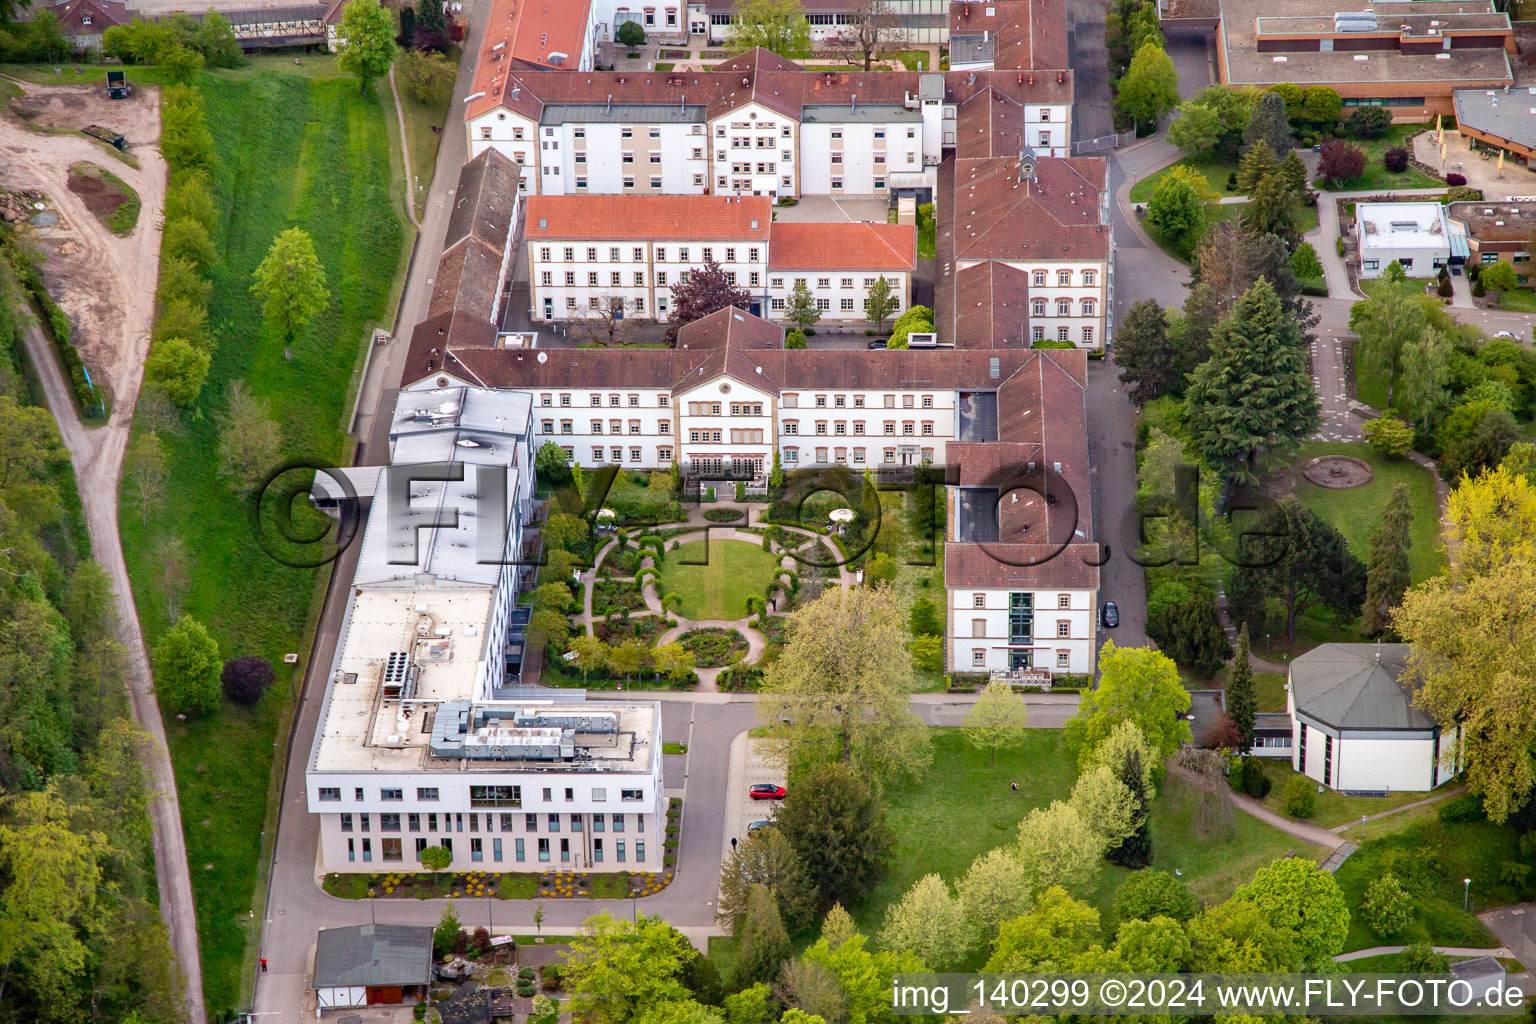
616	968
997	719
187	667
1137	685
1057	847
1106	805
1048	938
368	44
776	25
994	888
1150	87
1305	900
801	307
290	282
1178	208
929	921
1388	435
881	302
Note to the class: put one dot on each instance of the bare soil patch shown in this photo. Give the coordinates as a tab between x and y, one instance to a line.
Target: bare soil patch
107	196
75	105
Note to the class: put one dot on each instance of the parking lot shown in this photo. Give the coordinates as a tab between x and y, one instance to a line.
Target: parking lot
749	766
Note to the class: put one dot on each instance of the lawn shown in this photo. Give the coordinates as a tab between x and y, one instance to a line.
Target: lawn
1334	808
1377	176
1269	690
1357	512
716	577
1215	172
293	149
962	808
1218	213
1431	859
1521	300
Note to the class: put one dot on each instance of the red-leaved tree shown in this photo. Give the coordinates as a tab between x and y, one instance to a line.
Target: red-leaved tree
1340	161
706	291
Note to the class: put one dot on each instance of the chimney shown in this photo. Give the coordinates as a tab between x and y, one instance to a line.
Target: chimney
1060	77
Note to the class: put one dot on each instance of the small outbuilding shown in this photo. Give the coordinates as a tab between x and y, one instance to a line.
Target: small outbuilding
1414	235
1357	729
372	964
1484	974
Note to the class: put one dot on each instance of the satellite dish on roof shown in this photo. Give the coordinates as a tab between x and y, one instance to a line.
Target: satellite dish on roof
543	357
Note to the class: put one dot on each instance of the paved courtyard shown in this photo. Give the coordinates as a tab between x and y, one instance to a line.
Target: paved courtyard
826	209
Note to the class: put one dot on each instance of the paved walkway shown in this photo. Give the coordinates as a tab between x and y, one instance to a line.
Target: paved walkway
1515	927
1303	830
1480	173
1344	828
1361	954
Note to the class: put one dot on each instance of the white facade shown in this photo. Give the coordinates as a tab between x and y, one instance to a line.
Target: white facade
1370	762
1068	299
865	429
1001	630
665	20
1415	235
573	279
920	22
839	294
749	151
635	427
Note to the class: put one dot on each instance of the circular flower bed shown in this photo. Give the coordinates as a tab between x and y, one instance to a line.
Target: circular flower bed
723	515
712	646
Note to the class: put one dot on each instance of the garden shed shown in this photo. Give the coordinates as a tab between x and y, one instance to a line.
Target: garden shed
372	964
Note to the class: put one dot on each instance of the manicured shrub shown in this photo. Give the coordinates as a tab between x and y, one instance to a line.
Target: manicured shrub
1455	179
1300	797
1256	781
1395	159
246	679
1369	122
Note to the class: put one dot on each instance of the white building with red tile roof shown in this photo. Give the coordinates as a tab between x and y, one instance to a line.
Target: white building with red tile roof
839	262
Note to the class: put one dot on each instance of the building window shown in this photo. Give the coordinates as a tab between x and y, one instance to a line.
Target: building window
1063	600
1089	278
1088	307
618	851
1037	333
1063	660
1063	278
978	600
544	850
391	794
329	793
391	850
367	850
1087	335
346	823
1063	307
1061	334
639	852
978	657
518	851
477	849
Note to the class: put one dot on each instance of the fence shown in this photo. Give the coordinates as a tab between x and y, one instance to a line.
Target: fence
1104	143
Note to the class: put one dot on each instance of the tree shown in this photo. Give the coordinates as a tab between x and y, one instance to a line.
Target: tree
1238	936
1499	277
873	28
1149	894
368	46
245	679
1255	392
703	291
749	1006
180	280
1241	702
1393	312
145	472
1369	122
429	76
1150	87
1190	632
1267	121
1491	519
431	23
187	239
1388	435
591	653
764	944
880	302
843	679
1472	659
766	858
180	64
880	569
672	660
863	980
1423	392
181	318
1057	847
1395	159
1106	805
1258	163
1294	173
1137	685
249	442
779	26
1475	436
548	628
1305	900
1385	906
1196	130
1300	559
215	40
187	668
290	281
794	339
997	719
930	922
801	307
1177	208
1420	957
631	34
617	968
1268	211
445	936
1228	263
994	889
551	460
836	825
1157	944
1340	162
1388	576
1126	747
624	658
1047	938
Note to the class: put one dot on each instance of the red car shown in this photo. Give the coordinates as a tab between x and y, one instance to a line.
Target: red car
766	791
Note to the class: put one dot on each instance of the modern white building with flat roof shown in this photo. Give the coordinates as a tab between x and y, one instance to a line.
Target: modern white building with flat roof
1416	235
424	737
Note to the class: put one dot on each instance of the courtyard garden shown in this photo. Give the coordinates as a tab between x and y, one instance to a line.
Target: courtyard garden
713	647
715	578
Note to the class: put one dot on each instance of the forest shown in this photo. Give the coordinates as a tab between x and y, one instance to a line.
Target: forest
81	939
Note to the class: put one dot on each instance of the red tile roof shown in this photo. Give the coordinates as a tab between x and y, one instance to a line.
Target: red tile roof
525	33
659	218
1056	215
1029	35
758	76
987	307
1021	566
843	245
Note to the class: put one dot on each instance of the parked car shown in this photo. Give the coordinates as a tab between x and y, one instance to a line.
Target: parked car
764	823
766	791
1506	334
1109	615
878	343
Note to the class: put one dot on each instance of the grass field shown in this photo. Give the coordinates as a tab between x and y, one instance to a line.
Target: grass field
1357	512
1377	176
962	808
1431	859
717	590
1521	300
294	149
1215	173
1269	689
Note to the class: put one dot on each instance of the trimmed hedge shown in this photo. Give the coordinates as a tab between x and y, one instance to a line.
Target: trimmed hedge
723	515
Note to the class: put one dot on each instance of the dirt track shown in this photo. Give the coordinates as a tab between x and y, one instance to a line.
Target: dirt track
106	284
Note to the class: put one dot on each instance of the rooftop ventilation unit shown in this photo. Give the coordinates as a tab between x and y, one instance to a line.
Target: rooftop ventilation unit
396	682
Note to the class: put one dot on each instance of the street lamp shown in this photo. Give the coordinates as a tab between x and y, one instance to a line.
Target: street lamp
371	917
1465	892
